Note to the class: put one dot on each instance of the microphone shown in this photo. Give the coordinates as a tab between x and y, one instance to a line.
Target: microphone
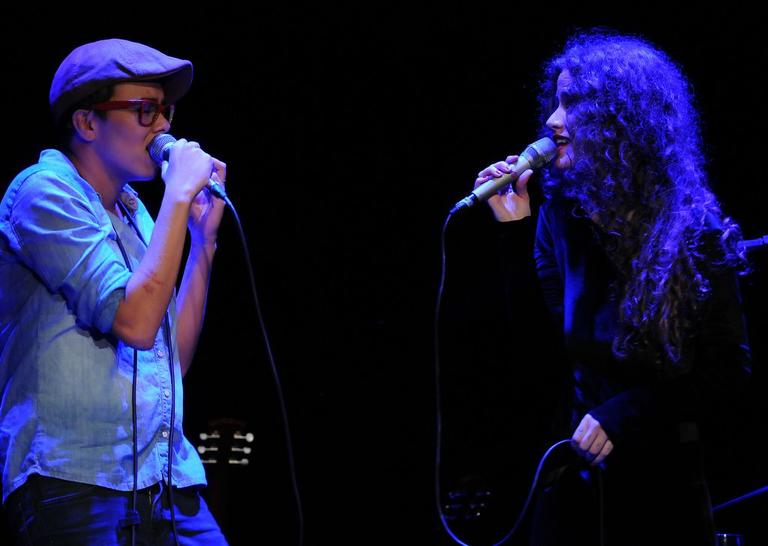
159	150
536	155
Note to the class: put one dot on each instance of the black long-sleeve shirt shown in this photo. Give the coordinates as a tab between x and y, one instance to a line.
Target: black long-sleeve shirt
628	397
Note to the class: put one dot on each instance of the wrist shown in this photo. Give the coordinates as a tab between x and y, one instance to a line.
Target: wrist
180	191
204	243
176	199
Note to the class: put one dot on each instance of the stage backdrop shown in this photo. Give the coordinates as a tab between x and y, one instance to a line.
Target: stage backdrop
348	134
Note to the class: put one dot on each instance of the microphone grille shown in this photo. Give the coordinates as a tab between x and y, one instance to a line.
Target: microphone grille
541	152
158	145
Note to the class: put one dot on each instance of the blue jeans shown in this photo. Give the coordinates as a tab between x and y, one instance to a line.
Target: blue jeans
52	511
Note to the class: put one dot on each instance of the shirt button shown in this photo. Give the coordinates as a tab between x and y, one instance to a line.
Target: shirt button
165	434
160	354
167	393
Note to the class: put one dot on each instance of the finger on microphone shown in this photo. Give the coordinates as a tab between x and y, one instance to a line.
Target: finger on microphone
493	171
512	159
537	154
482	179
502	167
521	187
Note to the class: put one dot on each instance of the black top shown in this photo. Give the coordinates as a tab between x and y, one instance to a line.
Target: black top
631	400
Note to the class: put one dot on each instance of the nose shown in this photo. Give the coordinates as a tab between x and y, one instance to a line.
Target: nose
162	124
556	121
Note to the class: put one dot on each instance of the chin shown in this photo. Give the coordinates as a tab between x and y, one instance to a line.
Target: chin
564	160
143	177
148	173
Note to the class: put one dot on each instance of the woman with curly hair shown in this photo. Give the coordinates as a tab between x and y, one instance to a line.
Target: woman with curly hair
638	265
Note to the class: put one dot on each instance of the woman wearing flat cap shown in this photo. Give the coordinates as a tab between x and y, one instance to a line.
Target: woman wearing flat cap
93	339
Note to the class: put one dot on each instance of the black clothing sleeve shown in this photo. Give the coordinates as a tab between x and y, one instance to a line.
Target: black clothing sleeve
718	358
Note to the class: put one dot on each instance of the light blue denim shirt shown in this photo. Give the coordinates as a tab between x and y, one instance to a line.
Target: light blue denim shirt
65	379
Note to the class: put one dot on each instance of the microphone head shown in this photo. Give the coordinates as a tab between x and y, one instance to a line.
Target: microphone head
160	146
541	152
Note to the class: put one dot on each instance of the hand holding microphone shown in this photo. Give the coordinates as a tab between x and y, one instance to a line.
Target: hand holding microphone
160	150
510	203
513	205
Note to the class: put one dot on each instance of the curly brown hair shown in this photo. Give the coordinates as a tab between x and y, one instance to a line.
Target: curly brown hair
639	173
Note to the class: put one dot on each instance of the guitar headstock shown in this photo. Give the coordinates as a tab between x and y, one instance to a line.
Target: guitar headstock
226	442
467	502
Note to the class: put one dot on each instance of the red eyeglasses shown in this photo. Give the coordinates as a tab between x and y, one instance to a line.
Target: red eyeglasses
148	110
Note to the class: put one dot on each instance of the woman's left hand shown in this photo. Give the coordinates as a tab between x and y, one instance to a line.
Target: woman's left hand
590	441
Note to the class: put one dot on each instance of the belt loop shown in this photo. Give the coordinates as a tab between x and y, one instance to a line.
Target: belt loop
161	492
155	495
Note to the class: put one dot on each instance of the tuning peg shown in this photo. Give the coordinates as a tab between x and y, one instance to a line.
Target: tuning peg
213	435
248	437
242	462
208	461
203	449
246	449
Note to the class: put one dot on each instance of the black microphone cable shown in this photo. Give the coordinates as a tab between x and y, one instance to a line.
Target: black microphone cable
169	345
439	425
281	397
276	376
132	518
439	418
158	149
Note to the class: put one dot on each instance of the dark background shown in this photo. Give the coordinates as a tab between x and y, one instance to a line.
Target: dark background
349	131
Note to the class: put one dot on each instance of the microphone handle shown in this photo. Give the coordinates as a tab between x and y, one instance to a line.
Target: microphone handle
216	189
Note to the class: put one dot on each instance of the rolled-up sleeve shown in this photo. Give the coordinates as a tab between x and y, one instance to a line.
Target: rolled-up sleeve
60	238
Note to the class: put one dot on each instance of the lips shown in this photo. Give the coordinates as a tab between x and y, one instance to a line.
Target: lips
561	140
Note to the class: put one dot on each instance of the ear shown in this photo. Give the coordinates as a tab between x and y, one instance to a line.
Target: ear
83	124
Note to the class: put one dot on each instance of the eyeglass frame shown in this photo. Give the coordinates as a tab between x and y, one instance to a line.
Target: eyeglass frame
142	104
